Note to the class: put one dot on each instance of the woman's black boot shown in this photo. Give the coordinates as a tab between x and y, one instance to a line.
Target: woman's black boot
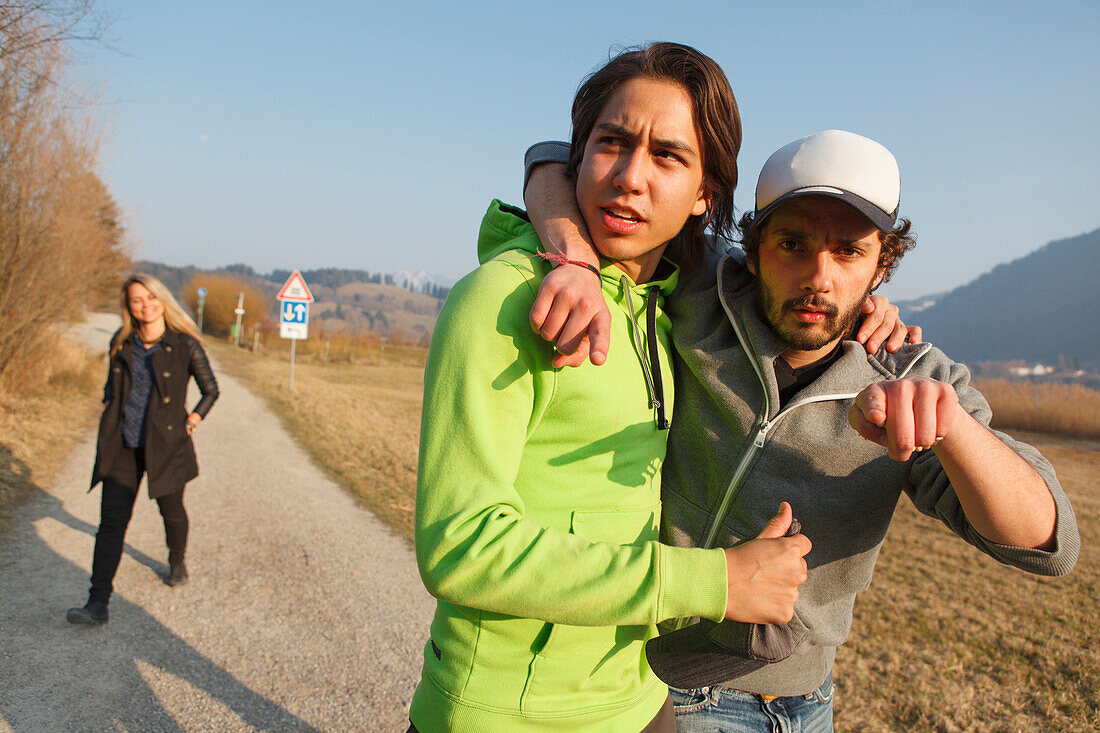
92	614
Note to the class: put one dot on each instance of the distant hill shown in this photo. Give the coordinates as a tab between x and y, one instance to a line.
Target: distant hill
1041	308
346	300
175	278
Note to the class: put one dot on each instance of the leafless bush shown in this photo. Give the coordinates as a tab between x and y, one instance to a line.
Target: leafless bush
222	293
61	242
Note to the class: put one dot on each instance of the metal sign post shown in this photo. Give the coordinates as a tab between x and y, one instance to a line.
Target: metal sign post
239	310
293	343
202	302
294	299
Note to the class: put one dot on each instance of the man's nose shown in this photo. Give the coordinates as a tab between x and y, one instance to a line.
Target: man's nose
819	276
630	177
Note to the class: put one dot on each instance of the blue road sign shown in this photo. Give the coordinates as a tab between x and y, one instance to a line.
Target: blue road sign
202	292
295	312
293	319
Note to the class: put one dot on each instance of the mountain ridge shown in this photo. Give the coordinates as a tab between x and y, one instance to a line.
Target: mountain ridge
1023	310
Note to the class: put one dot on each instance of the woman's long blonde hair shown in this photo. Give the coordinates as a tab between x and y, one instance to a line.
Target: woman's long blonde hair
175	318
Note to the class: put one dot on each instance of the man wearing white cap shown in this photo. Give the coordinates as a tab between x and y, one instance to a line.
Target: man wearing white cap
776	402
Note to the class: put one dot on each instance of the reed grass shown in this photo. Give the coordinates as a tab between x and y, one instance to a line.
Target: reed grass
1059	409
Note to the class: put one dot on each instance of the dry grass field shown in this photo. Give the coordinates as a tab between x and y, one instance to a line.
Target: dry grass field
40	422
945	640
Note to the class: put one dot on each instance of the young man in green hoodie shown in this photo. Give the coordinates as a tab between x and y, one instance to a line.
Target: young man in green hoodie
538	495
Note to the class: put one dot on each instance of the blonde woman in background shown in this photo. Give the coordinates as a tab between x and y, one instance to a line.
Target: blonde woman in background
146	429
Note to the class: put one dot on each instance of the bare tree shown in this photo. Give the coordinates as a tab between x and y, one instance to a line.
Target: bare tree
222	292
27	24
61	244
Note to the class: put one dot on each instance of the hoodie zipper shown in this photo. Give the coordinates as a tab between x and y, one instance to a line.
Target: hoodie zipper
759	436
652	378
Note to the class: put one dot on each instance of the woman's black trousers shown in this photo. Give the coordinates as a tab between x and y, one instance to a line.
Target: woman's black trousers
120	489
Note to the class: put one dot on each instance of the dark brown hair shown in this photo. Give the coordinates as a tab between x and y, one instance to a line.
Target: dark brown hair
895	243
717	122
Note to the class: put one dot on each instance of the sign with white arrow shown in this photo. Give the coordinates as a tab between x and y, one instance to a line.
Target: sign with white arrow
293	320
294	299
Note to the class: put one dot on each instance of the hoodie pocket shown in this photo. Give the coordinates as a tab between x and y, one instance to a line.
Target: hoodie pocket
633	527
584	666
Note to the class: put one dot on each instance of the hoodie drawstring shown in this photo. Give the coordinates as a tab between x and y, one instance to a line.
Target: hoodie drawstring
651	326
653	379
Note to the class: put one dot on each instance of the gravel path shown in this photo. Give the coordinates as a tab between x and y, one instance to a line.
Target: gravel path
303	611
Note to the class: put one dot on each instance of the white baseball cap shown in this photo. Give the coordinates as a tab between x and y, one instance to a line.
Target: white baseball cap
842	165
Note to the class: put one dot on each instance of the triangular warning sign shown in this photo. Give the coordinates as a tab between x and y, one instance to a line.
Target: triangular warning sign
295	289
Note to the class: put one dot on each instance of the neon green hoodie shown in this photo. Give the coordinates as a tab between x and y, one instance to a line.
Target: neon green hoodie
537	511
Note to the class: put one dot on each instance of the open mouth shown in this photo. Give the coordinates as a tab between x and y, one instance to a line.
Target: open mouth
620	221
622	215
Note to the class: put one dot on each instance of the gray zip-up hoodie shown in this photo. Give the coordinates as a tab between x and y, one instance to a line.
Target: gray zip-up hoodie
734	455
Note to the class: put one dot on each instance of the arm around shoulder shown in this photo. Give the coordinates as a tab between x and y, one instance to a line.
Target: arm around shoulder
570	309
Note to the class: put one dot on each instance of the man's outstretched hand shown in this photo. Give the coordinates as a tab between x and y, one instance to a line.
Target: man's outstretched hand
570	312
905	415
763	574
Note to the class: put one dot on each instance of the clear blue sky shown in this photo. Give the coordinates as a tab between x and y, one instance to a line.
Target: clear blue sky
372	136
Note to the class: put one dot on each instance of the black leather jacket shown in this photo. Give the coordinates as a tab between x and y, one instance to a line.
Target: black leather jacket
169	454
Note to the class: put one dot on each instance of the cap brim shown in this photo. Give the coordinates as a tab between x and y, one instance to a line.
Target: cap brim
707	654
882	220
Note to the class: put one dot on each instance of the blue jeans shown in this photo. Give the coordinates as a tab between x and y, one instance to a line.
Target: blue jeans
722	710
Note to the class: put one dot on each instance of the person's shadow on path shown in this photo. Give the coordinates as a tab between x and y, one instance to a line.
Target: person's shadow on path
47	663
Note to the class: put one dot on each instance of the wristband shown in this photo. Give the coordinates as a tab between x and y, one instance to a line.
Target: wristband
560	260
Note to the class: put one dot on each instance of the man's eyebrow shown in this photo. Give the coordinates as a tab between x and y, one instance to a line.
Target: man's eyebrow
617	130
788	232
799	234
679	146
